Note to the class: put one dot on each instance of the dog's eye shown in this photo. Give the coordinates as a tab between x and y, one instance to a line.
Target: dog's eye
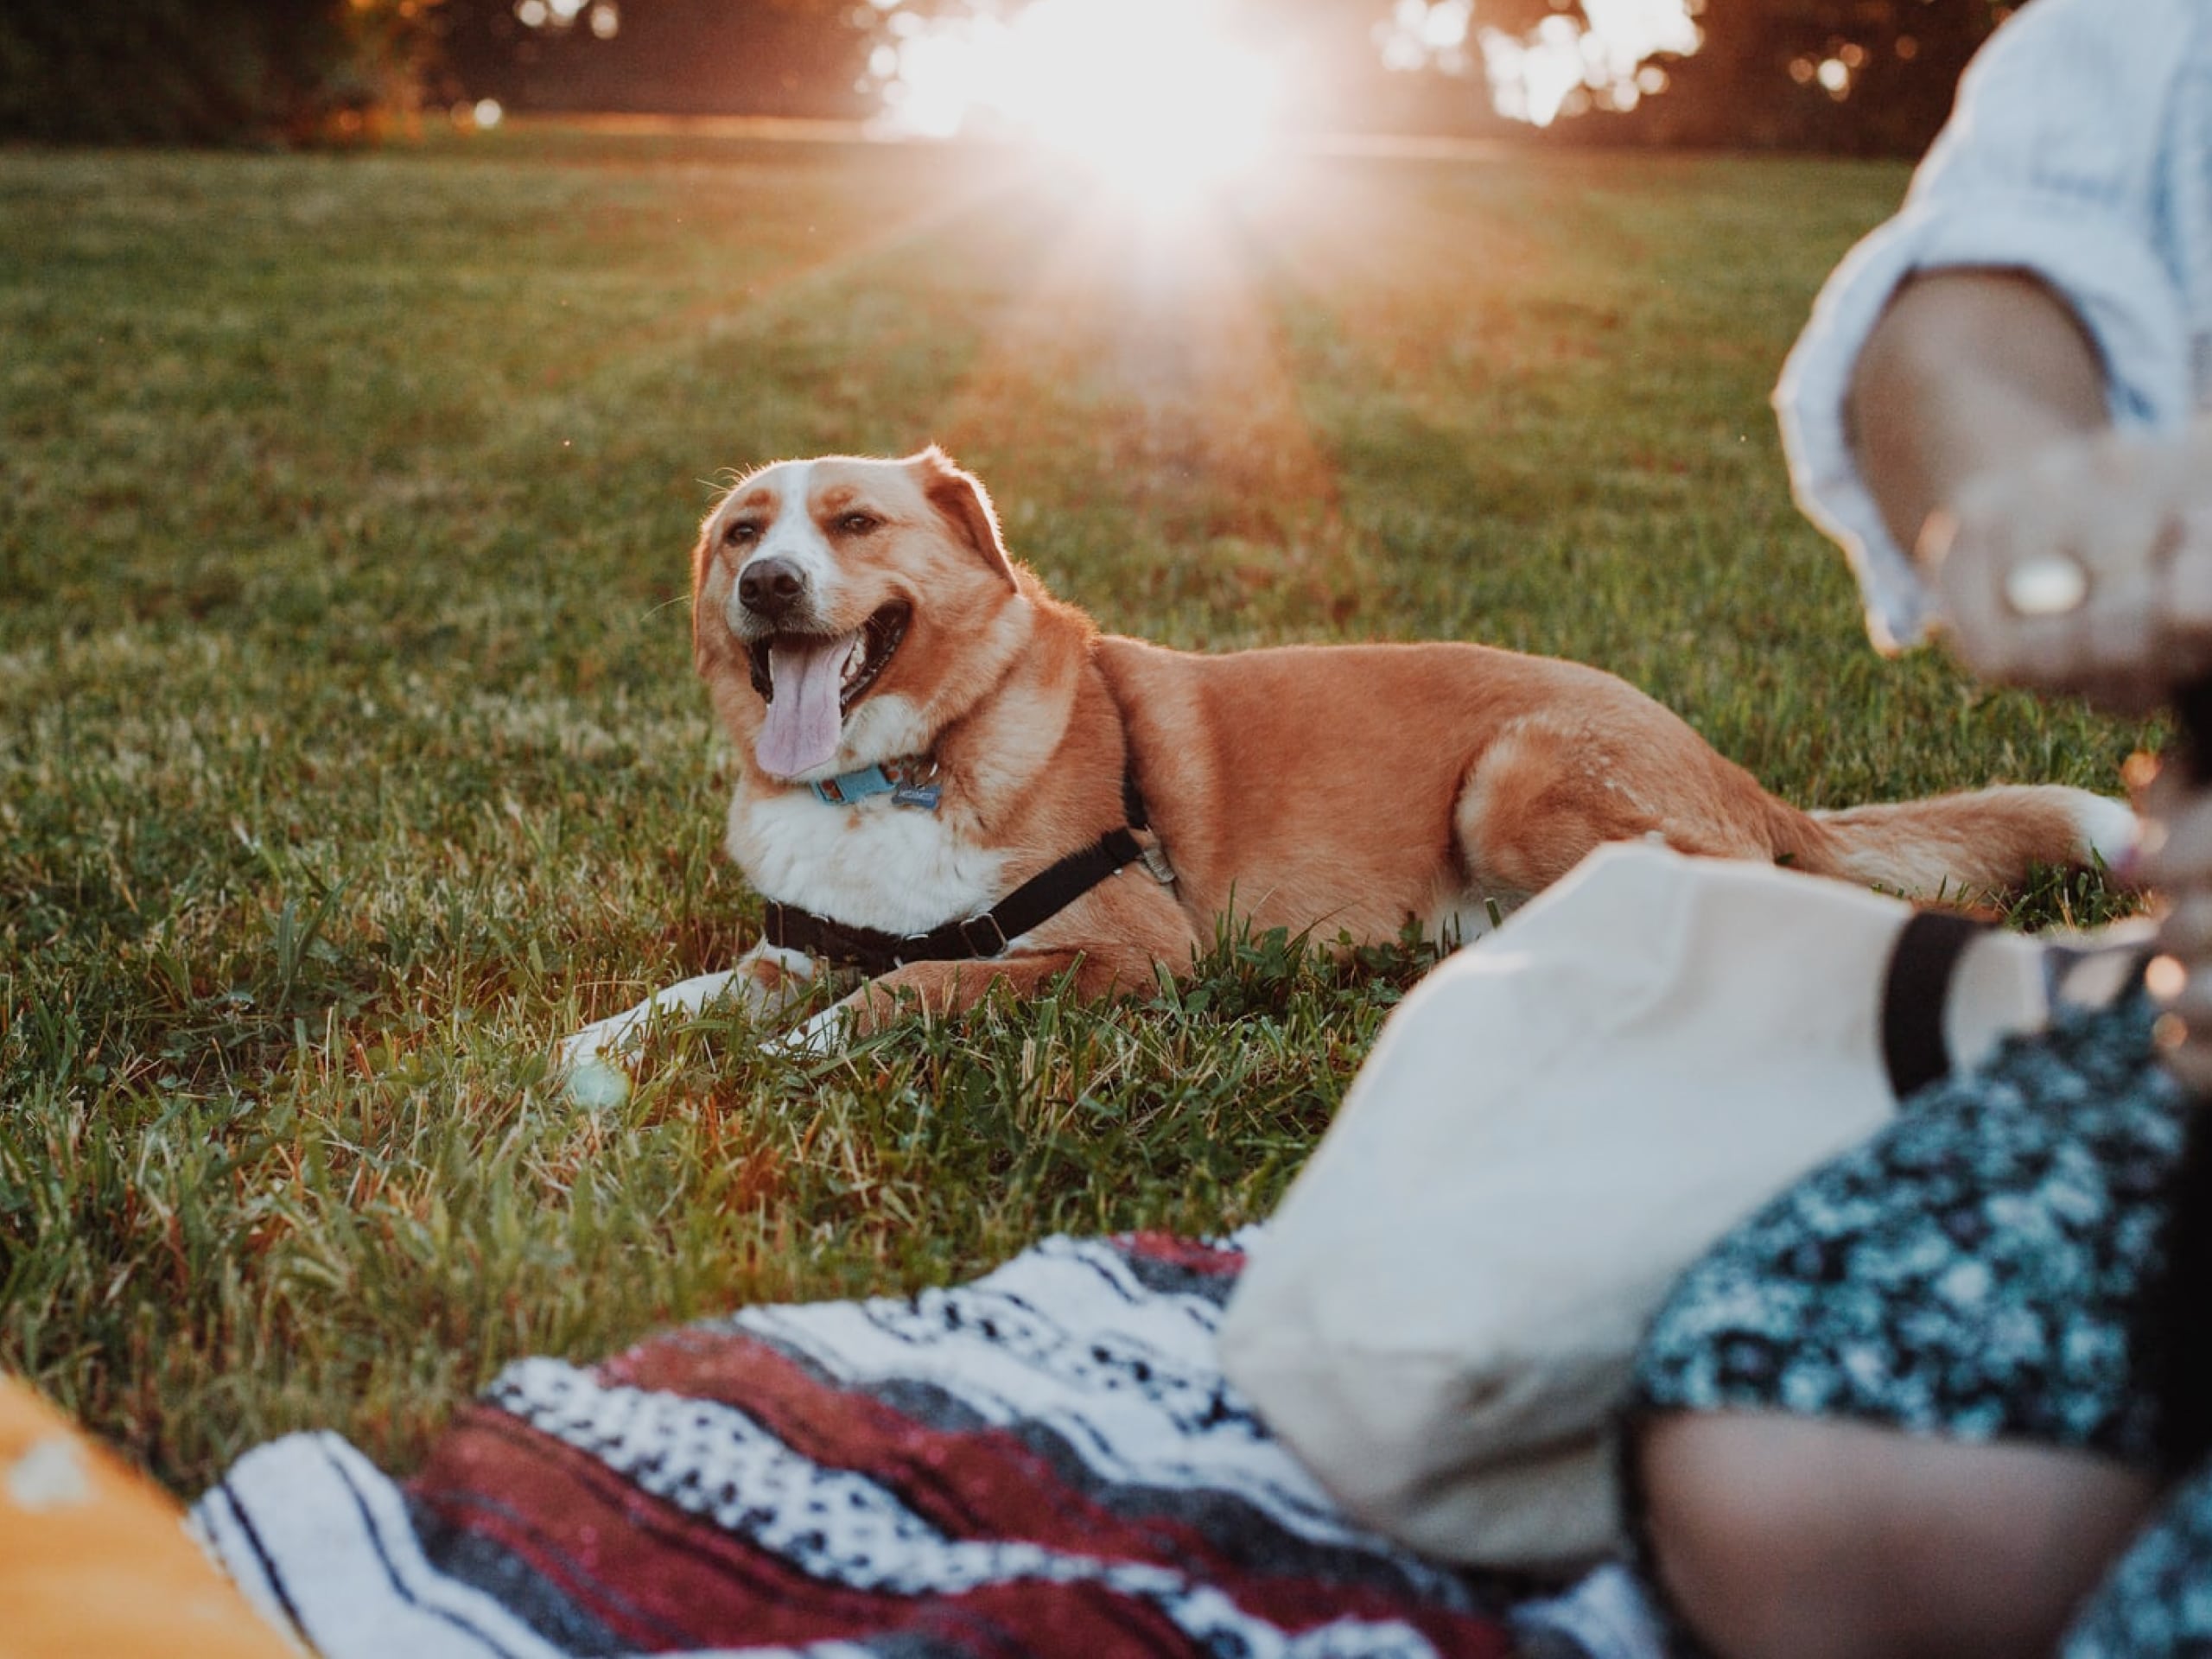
742	530
858	524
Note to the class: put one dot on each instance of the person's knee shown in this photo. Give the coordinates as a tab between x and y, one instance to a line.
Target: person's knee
1754	1543
1779	1535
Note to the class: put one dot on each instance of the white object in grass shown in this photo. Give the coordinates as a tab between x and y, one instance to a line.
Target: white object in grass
594	1083
592	1058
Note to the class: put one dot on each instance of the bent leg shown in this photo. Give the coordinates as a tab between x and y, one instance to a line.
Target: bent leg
1784	1537
1902	1409
1549	791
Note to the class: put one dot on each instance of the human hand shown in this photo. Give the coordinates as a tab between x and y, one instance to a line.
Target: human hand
2085	567
2175	857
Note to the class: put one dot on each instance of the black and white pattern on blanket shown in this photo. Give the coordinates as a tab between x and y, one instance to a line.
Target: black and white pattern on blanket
1046	1460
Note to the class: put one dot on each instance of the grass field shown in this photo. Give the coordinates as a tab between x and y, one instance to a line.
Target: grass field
350	752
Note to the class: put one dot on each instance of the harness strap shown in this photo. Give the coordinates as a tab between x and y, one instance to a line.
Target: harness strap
1133	811
1039	898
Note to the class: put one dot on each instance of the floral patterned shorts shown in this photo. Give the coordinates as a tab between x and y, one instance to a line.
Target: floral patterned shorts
1972	1271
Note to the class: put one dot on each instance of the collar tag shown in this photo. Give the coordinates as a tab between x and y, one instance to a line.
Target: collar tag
909	782
922	798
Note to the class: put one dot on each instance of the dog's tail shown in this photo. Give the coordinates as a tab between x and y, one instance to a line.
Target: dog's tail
1982	841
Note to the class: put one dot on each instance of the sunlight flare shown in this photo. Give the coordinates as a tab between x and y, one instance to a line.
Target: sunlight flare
1156	97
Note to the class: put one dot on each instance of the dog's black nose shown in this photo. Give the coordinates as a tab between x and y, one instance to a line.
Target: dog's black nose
770	587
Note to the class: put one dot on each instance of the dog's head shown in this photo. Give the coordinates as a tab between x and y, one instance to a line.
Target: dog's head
843	608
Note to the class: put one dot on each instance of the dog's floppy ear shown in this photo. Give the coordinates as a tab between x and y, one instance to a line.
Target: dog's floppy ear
702	556
961	498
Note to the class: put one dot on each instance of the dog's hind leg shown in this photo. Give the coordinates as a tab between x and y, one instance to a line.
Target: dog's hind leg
1541	798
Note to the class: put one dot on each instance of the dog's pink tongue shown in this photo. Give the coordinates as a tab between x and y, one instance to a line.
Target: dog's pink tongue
801	730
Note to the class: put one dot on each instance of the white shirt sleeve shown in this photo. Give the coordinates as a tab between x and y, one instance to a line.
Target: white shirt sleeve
2055	162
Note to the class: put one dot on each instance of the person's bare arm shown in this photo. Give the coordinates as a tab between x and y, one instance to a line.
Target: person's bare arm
1967	371
1979	424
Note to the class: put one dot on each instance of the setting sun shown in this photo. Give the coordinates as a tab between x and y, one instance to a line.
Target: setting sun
1155	97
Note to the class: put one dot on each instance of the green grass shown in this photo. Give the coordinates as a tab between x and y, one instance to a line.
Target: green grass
350	752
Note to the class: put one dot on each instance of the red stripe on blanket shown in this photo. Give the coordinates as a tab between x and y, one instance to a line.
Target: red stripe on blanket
986	1484
1188	1254
654	1575
664	1579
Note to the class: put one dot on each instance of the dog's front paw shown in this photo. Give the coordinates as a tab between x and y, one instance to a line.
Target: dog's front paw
824	1034
589	1062
592	1060
594	1082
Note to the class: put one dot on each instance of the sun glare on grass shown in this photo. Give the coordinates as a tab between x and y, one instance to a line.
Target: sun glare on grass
1156	97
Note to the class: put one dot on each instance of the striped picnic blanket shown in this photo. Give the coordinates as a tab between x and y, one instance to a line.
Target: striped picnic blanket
1044	1461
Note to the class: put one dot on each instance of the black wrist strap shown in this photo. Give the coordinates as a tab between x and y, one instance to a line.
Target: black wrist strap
1039	898
1914	994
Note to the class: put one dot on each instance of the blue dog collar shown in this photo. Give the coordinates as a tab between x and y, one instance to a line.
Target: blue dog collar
910	782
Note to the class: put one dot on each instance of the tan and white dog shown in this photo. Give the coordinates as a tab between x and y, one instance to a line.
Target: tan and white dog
922	730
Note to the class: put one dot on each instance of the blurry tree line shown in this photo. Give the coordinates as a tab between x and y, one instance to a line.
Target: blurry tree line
204	71
1860	76
674	57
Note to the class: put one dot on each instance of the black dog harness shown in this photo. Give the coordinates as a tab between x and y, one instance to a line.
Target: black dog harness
1036	901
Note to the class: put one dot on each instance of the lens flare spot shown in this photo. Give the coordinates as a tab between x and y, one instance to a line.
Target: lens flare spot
2165	978
1159	98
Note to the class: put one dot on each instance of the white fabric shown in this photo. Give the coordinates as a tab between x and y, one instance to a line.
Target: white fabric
320	1540
1605	1613
2080	150
1442	1317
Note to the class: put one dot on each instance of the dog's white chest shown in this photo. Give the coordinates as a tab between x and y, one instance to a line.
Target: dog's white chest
873	865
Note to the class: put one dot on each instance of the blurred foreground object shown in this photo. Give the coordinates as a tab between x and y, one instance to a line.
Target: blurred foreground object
1442	1317
95	1562
2049	281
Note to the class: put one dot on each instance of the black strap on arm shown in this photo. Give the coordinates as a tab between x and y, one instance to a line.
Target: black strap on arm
1922	964
1036	900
